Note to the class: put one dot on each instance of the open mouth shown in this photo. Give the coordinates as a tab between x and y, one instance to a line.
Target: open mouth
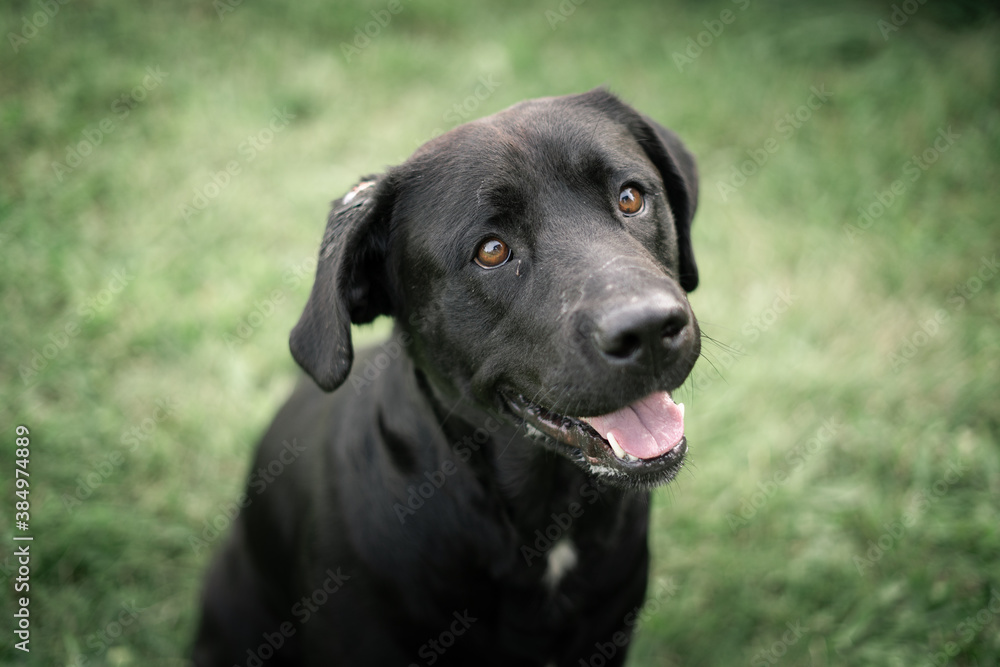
642	442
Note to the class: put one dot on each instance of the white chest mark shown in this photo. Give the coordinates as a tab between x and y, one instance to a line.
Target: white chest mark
562	559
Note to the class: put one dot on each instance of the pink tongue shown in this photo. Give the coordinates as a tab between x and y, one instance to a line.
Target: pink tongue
646	429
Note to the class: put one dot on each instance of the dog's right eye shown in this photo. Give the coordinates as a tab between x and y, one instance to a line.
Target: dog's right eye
630	200
492	253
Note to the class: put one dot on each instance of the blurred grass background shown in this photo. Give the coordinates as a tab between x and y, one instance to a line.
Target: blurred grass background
845	468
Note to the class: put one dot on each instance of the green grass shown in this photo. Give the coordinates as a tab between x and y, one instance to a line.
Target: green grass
774	520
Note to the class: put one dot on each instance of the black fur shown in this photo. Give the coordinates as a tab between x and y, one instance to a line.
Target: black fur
411	508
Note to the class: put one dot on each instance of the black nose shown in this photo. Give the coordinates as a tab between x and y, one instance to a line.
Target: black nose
654	327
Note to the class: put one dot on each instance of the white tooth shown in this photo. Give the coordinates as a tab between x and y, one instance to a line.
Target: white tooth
681	406
619	452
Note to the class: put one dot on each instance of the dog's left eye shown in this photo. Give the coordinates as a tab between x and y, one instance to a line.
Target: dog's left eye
492	253
630	200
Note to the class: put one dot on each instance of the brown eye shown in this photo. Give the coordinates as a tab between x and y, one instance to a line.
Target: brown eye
492	253
630	200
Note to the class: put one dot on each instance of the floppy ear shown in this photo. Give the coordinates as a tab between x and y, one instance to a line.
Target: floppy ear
680	176
351	282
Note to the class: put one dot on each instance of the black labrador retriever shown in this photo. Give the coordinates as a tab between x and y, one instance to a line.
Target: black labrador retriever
475	491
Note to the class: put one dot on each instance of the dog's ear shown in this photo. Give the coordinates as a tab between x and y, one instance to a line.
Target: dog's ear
351	282
680	176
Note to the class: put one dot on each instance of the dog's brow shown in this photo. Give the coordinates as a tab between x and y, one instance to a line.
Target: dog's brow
593	132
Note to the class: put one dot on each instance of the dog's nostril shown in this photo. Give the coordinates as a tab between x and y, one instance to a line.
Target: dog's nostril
673	325
623	346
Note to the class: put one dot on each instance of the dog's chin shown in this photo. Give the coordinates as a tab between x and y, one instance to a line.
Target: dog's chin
603	456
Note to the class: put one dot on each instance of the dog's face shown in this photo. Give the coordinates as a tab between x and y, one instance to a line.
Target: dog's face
540	260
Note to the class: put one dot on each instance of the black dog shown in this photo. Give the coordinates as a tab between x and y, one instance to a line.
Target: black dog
475	491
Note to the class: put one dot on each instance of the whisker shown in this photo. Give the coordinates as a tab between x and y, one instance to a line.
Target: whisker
718	343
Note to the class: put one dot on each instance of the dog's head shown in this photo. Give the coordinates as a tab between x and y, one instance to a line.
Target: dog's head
540	260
